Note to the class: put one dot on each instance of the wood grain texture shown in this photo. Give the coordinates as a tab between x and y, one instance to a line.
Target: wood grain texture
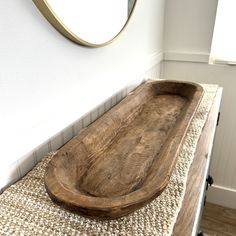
218	221
188	218
123	168
124	159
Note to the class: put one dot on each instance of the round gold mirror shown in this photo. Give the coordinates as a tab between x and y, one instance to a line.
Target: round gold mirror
92	23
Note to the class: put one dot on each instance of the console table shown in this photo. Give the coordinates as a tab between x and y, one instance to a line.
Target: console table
189	218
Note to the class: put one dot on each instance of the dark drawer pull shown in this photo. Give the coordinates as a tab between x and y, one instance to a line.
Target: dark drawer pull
200	233
209	181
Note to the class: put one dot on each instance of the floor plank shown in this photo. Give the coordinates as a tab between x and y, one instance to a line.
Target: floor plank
218	221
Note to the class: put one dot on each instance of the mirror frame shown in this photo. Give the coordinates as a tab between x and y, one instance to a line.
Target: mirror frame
55	21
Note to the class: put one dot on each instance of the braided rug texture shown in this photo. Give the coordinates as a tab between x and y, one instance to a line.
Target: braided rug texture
26	209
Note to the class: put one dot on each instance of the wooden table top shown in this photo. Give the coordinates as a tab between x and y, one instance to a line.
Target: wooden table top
188	218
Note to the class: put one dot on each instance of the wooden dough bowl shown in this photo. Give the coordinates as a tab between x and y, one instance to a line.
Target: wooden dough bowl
125	158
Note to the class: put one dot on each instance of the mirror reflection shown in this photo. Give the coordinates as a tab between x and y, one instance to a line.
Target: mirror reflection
94	21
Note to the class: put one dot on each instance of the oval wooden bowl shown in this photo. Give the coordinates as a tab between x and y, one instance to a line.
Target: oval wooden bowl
125	158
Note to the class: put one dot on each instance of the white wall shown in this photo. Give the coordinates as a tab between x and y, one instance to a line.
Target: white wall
188	31
47	82
189	25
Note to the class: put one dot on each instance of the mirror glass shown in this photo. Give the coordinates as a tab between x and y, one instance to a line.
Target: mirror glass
88	22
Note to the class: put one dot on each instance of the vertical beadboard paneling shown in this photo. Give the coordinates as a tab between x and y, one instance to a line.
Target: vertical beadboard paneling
9	175
113	101
118	97
26	164
108	105
101	110
35	158
42	151
77	126
94	114
56	142
86	120
68	134
123	93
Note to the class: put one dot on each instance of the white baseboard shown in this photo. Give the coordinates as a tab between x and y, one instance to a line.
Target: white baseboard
222	196
186	56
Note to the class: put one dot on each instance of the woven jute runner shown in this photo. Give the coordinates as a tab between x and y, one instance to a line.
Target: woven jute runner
26	209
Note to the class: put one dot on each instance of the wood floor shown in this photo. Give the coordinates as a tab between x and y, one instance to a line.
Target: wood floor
218	221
